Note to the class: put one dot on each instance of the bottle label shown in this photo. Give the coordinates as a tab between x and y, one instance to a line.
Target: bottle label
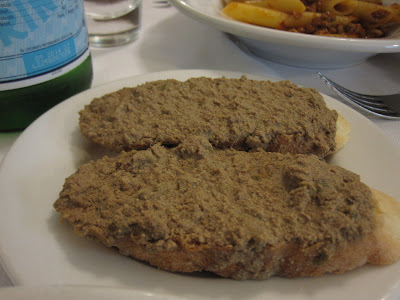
38	39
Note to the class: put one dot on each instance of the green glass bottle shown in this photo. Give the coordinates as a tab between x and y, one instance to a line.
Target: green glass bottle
44	58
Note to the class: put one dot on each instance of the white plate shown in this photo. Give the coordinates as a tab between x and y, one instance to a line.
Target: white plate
76	293
302	50
36	249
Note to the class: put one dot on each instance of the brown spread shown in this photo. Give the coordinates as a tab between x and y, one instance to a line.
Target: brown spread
192	195
240	113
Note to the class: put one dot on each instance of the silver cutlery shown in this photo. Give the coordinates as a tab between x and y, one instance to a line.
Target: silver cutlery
161	3
386	106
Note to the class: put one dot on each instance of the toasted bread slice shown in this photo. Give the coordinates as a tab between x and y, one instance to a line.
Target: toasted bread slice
240	113
237	214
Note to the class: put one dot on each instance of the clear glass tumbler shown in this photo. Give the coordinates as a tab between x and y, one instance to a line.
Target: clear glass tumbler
112	22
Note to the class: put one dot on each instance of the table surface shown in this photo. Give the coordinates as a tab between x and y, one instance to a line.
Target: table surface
170	41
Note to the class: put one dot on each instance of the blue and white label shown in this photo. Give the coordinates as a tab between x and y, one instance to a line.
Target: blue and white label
40	36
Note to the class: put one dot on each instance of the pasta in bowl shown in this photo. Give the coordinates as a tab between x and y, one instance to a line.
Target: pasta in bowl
289	46
338	18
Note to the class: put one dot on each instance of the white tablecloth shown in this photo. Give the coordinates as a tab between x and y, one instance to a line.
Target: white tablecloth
170	41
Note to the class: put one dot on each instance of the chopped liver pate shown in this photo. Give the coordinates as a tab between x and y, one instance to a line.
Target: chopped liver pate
195	196
230	113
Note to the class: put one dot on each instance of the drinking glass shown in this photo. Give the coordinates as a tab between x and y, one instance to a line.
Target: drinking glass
112	22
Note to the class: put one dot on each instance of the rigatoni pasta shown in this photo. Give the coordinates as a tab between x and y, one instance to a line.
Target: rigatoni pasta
373	14
256	15
339	7
343	18
287	6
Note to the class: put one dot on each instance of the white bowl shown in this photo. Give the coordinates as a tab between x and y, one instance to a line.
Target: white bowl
296	49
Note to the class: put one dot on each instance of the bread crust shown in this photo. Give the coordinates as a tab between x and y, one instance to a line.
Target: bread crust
342	132
386	250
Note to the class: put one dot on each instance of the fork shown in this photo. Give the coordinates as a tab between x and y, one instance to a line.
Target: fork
386	106
161	3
